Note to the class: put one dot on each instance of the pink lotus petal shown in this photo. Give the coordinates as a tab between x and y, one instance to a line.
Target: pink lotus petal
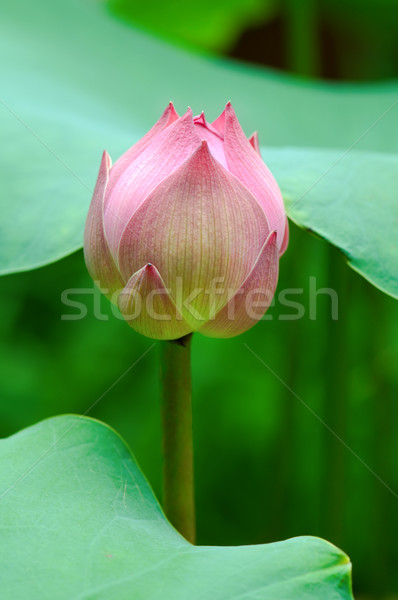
246	164
165	153
219	123
253	139
168	117
202	228
99	260
251	301
148	308
215	141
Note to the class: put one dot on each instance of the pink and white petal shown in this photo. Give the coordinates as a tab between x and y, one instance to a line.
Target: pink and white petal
168	117
253	298
246	164
203	229
214	139
148	308
253	139
99	260
166	152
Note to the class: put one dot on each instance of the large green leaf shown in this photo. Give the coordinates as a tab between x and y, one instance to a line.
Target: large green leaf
215	26
80	522
77	81
351	201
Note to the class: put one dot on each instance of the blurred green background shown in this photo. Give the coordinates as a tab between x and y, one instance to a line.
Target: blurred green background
266	467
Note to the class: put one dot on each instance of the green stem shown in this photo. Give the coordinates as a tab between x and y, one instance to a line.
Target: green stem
178	492
336	399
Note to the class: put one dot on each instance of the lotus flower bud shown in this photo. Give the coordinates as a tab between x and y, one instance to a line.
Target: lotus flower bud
185	230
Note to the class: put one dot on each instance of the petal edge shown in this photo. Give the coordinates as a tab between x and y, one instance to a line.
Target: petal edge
99	260
238	315
246	164
148	307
